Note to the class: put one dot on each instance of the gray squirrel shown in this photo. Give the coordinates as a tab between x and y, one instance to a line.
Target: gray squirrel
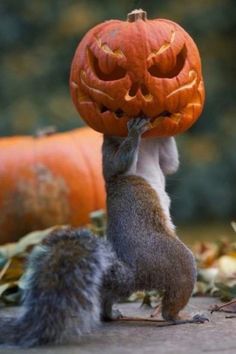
73	278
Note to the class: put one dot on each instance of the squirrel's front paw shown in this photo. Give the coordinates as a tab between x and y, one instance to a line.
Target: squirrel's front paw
138	125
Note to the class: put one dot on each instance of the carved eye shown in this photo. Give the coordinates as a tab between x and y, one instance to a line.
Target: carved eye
157	71
116	73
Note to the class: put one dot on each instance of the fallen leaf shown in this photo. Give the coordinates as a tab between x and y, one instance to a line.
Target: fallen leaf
233	224
206	254
227	307
225	292
10	293
25	243
227	266
12	270
208	275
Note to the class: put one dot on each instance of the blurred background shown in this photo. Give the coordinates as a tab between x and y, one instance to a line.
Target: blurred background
37	42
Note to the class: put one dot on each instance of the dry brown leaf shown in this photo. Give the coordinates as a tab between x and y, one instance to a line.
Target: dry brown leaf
229	307
25	243
233	224
12	270
206	253
10	293
6	286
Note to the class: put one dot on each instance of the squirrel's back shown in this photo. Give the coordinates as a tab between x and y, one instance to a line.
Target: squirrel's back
139	233
134	212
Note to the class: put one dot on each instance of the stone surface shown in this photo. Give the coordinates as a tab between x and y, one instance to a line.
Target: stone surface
216	336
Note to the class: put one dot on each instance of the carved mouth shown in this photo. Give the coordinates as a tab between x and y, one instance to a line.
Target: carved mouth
154	122
119	113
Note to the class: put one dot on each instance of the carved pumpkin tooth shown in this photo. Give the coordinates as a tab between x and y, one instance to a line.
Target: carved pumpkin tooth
122	73
148	98
118	52
128	97
157	121
176	117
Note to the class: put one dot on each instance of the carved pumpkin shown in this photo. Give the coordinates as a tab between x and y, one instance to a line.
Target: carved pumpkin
124	69
49	180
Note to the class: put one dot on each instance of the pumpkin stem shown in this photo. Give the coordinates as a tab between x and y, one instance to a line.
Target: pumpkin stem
137	14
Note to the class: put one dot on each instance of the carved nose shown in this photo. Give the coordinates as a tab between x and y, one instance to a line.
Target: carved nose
136	86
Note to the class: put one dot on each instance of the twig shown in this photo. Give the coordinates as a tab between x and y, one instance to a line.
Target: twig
219	307
161	323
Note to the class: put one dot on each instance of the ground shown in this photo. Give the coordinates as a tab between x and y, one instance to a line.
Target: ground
216	336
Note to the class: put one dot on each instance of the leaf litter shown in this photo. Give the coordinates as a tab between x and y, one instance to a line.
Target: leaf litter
216	263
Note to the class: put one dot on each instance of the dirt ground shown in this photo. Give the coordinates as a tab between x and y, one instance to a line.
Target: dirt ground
216	336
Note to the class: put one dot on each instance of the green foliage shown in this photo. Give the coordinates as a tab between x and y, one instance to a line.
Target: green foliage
37	42
225	292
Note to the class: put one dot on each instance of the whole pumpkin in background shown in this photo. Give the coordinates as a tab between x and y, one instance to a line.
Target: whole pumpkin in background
49	181
124	69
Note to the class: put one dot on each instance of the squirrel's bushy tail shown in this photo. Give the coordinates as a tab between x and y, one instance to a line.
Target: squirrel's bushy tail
62	290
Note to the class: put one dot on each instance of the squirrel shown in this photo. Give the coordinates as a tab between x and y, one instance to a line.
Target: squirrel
73	278
139	224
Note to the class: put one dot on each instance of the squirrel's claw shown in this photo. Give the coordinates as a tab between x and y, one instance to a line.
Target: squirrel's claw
195	319
140	125
200	318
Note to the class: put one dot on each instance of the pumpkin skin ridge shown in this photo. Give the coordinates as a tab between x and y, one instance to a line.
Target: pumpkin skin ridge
90	110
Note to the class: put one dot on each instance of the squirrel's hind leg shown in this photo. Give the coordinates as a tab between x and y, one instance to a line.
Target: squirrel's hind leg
174	302
108	313
118	284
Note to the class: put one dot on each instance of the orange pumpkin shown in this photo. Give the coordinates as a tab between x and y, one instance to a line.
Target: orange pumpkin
124	69
48	181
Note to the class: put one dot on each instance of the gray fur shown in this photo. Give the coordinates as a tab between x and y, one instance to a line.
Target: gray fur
62	290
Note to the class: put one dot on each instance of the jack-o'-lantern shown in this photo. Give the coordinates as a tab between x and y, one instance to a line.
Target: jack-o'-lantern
139	67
